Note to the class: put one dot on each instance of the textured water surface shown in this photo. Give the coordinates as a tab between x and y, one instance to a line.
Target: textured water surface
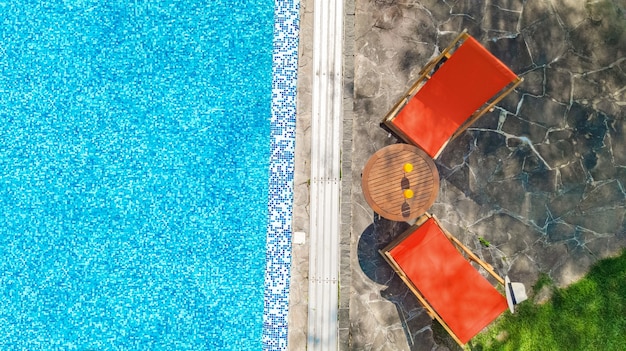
134	147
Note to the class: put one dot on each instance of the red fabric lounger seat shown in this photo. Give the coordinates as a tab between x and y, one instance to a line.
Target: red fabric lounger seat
461	86
459	294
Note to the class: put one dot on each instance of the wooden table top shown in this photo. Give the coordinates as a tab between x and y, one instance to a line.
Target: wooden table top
384	182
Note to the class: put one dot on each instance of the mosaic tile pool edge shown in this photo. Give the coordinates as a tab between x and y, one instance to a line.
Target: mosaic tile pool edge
280	200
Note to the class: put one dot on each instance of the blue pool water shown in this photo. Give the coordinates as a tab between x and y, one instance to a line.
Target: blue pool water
134	152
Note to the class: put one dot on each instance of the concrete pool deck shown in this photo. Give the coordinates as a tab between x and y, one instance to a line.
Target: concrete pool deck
542	177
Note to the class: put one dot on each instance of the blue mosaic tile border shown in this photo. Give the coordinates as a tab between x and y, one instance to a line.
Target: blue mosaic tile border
283	136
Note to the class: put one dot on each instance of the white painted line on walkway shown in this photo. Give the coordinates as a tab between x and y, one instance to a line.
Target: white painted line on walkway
325	175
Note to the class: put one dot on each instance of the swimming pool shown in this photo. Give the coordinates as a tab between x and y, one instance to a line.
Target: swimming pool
135	151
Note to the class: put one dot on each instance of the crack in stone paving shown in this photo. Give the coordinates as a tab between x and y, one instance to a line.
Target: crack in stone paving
523	139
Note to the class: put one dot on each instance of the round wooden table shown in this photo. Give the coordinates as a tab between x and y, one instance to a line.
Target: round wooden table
394	193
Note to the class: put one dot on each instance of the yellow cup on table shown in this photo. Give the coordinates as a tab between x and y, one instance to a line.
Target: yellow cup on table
407	167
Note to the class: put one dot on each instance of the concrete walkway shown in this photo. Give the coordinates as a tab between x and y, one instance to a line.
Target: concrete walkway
303	184
542	178
322	332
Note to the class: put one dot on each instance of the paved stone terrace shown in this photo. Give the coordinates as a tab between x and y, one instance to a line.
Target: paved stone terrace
542	177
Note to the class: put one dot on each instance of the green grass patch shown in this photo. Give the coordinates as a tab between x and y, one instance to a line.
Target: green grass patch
587	315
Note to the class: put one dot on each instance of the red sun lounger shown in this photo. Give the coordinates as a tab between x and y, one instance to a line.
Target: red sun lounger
466	82
437	269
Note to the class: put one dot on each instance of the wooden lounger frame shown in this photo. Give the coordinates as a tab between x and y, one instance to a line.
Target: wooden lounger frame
463	250
424	75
